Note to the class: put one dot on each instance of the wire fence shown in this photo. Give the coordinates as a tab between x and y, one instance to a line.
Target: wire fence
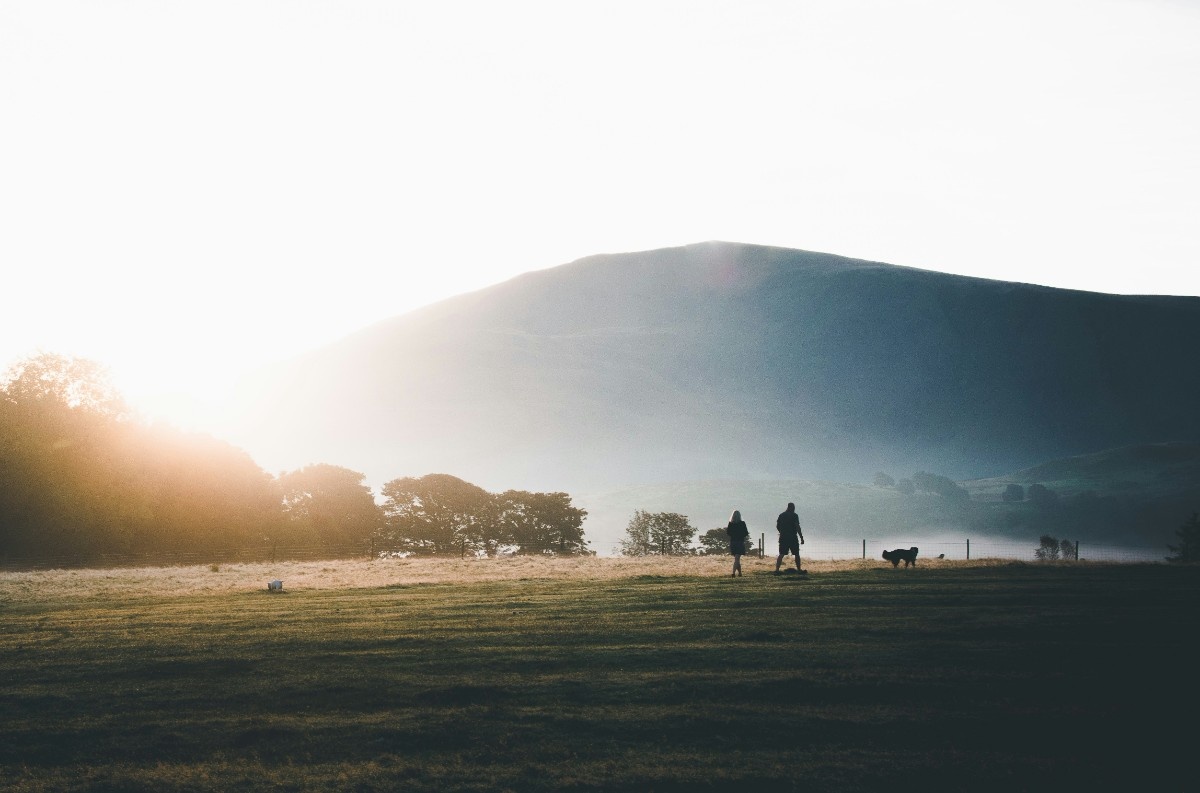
967	549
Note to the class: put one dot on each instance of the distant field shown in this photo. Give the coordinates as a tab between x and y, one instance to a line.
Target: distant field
599	674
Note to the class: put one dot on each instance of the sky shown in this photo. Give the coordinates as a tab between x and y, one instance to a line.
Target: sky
189	190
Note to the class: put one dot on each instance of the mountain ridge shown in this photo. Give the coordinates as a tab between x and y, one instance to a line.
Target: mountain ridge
731	360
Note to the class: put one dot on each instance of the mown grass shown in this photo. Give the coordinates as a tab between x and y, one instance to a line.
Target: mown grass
965	678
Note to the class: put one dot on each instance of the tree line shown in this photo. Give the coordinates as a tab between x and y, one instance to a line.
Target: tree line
82	479
672	534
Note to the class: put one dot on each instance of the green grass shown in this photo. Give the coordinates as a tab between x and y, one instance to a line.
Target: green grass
994	678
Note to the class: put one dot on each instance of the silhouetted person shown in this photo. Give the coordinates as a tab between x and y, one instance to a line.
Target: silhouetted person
790	536
738	533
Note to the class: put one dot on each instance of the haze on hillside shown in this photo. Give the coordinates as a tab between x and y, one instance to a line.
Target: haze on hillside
728	361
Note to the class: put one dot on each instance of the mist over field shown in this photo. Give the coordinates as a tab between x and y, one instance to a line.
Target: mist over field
639	379
1130	498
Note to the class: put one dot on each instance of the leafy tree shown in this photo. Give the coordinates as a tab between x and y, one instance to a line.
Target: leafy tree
80	481
1014	493
540	523
1188	549
203	494
70	382
662	533
436	514
1049	548
883	480
330	505
715	542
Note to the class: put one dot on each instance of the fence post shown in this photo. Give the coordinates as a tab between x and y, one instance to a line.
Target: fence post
1077	550
762	541
864	548
968	549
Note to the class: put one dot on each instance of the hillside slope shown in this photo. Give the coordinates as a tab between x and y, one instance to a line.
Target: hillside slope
720	360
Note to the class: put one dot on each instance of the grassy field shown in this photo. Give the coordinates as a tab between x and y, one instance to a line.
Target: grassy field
599	675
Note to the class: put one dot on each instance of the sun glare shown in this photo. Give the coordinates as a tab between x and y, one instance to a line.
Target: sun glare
188	399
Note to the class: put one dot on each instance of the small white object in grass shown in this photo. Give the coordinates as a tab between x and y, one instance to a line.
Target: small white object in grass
275	585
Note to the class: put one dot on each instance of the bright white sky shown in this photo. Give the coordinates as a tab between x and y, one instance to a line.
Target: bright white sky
190	188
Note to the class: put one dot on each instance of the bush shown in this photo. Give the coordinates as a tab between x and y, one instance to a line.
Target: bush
658	533
1188	549
715	542
1048	550
1051	549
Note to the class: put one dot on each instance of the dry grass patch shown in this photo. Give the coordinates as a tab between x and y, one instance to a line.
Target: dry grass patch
338	574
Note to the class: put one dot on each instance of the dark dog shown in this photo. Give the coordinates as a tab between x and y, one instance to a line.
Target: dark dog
899	555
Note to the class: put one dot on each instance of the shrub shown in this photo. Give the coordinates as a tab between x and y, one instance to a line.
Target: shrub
1188	549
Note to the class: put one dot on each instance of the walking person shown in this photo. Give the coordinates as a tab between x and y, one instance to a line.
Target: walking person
738	533
790	536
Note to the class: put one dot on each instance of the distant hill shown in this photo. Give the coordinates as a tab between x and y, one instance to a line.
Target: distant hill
722	361
1149	471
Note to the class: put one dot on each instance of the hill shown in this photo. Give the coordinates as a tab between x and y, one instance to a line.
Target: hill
722	361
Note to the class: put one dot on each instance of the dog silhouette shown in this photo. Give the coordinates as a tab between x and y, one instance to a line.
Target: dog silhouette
899	555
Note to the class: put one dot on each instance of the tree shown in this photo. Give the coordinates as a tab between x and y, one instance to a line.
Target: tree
330	505
540	523
715	542
77	383
1068	549
657	533
906	487
1013	493
883	480
1048	548
436	514
80	481
1188	549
